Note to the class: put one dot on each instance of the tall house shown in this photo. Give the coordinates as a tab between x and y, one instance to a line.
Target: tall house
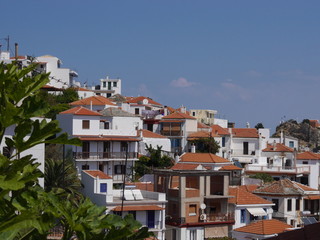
177	126
203	115
108	87
109	137
197	202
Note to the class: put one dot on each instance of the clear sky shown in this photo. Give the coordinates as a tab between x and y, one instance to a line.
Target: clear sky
252	61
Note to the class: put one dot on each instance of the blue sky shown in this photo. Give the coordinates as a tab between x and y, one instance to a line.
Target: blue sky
252	61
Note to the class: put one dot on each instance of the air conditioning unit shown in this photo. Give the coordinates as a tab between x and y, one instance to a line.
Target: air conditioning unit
203	217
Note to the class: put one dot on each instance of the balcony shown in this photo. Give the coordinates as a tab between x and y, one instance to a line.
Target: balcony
171	133
104	155
282	169
219	218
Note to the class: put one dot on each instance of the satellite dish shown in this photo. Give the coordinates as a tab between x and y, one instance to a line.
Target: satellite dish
203	206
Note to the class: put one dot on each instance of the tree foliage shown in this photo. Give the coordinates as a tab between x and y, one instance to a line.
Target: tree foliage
259	125
27	211
206	145
155	159
262	176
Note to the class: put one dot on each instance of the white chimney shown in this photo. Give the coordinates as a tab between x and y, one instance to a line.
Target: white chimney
193	148
183	109
281	137
176	158
165	111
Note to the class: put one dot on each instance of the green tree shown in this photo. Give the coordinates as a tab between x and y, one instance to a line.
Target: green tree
155	159
27	211
259	125
206	145
262	176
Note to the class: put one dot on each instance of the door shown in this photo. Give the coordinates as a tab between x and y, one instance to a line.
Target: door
85	149
150	218
245	148
106	149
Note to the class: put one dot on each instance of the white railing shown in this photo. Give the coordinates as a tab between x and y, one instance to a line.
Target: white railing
284	169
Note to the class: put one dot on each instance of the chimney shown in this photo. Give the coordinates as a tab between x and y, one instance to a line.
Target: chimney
176	158
248	125
16	51
193	148
165	111
274	145
281	137
183	109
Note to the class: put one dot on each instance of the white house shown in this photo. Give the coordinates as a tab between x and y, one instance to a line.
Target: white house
109	138
147	207
108	87
150	138
292	200
311	160
248	207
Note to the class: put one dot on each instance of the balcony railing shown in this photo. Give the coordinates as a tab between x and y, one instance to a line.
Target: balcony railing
209	218
104	155
284	169
171	133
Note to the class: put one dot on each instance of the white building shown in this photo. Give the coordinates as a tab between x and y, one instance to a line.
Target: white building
155	140
147	207
108	87
108	139
248	207
205	116
311	160
59	77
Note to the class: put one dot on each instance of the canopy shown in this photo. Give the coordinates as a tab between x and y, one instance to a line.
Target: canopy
257	211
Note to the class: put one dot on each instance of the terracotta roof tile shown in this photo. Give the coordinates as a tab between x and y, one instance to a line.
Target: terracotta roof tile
149	134
249	187
242	197
279	147
245	133
186	166
229	168
81	111
200	134
178	115
202	125
308	156
94	100
97	173
202	158
137	208
265	227
140	99
284	187
219	130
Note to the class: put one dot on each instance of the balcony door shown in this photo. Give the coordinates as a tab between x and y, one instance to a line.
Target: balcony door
85	149
106	149
150	218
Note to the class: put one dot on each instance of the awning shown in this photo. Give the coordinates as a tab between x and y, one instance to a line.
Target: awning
257	212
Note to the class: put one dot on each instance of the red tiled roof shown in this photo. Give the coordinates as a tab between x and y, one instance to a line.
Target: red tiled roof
284	187
265	227
137	208
202	125
185	166
202	158
149	134
82	89
249	187
94	100
242	197
219	130
245	133
308	156
97	174
312	197
140	99
229	168
200	134
81	111
178	115
19	57
278	148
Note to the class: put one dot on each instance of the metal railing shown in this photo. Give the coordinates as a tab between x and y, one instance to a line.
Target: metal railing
104	155
284	169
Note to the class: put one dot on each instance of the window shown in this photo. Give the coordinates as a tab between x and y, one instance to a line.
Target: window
193	113
104	84
136	111
123	146
103	187
276	206
243	215
85	167
289	205
297	204
109	85
108	95
104	124
305	162
119	169
192	210
114	84
150	218
245	148
223	141
266	216
85	124
291	144
193	234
